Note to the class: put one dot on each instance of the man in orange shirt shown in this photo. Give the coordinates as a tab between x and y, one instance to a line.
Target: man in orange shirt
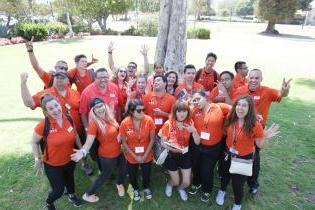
241	74
263	97
207	76
158	104
188	87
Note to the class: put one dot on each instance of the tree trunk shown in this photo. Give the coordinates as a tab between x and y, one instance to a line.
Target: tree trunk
172	40
102	22
271	28
69	24
8	20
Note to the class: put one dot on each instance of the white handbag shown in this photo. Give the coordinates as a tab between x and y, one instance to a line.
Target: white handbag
241	166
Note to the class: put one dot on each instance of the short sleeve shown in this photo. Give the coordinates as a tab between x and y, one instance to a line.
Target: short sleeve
258	131
39	128
92	128
164	131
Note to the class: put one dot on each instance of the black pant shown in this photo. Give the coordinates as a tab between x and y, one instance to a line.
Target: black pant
209	156
60	177
195	158
252	181
94	153
107	166
238	181
146	173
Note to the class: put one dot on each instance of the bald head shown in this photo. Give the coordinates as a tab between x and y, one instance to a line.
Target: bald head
254	79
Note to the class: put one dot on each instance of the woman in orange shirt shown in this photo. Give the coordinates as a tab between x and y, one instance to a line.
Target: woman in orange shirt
172	82
104	128
175	135
58	145
137	132
243	132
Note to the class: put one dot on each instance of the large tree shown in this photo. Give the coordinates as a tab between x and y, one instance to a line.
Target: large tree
172	39
276	10
13	9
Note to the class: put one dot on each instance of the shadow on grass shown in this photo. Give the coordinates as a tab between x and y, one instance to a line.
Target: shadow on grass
28	119
290	36
305	82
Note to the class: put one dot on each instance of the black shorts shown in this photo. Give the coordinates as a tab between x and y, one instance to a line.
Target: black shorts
175	161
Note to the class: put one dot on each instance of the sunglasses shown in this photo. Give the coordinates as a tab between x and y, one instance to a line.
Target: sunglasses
62	68
196	100
139	110
131	67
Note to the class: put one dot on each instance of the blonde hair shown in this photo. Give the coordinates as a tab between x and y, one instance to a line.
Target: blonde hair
100	122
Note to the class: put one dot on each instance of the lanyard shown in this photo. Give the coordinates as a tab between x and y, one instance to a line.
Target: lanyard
137	132
207	118
235	135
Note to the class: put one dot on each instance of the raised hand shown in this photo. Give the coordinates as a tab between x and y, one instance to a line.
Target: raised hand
144	50
24	77
272	131
190	127
111	47
29	44
285	87
94	60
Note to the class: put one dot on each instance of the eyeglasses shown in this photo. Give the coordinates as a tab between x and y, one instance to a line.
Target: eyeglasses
131	67
226	80
139	110
62	68
100	78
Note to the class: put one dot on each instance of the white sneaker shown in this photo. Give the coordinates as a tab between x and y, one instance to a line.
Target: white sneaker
220	198
168	190
236	207
183	194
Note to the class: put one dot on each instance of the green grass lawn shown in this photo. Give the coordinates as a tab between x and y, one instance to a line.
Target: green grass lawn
287	173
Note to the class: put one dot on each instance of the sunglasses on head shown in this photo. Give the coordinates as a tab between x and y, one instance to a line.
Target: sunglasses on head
139	110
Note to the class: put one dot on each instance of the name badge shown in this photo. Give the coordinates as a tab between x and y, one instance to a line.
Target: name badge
70	129
256	97
233	151
205	135
139	149
112	95
184	150
158	121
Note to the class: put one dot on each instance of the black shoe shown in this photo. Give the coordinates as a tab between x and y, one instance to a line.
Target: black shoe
75	200
50	206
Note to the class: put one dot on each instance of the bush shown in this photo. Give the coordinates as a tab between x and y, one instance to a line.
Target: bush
111	32
27	30
148	26
198	33
4	31
81	28
57	27
132	31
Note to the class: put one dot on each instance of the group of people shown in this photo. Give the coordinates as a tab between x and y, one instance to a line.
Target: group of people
202	119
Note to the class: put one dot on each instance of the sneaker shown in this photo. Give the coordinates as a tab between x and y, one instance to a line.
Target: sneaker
205	197
147	193
75	200
236	207
182	193
86	168
120	190
254	190
136	195
194	189
220	198
168	190
90	198
50	206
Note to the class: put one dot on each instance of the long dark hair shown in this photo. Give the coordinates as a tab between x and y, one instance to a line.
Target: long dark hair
176	76
250	118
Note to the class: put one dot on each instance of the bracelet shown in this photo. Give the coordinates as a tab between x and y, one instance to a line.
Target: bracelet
37	159
29	50
110	52
84	152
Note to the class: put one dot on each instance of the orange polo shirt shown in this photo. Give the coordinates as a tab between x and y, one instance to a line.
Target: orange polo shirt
210	125
244	144
81	82
109	146
60	141
164	103
207	79
215	92
174	135
195	88
263	97
137	138
238	81
70	103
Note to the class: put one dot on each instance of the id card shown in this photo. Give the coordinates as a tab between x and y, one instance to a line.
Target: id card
158	121
139	150
256	97
70	129
184	150
233	151
68	106
112	95
205	135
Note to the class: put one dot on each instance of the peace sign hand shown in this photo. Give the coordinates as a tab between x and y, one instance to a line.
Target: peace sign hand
285	87
29	44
